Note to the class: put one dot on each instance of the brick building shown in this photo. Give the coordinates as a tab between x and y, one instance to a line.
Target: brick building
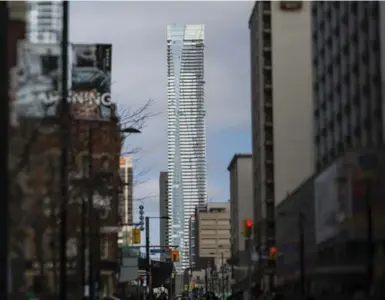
39	186
16	31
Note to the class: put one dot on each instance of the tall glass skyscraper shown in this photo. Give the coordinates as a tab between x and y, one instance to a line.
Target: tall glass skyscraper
186	132
44	21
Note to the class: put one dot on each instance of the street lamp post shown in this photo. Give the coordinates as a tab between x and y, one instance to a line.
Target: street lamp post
64	118
223	276
222	282
90	217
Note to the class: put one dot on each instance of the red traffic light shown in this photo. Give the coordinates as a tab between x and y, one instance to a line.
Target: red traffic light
249	223
273	250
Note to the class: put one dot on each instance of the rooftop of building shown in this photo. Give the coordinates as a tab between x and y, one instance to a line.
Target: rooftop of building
213	207
236	157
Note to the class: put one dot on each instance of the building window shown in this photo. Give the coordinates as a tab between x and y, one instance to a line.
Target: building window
105	163
84	165
104	247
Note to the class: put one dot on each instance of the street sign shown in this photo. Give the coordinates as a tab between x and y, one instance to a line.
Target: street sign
130	251
157	250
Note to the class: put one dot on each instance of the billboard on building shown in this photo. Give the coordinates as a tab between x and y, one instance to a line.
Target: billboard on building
341	195
332	196
91	81
36	80
361	167
36	84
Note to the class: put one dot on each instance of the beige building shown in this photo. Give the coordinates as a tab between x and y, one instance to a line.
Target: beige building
282	106
241	201
212	233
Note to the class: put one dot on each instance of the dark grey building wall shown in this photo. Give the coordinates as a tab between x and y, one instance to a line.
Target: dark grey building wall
347	77
287	230
163	209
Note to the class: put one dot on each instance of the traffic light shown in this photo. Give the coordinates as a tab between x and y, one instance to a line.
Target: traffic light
273	253
247	228
136	234
175	255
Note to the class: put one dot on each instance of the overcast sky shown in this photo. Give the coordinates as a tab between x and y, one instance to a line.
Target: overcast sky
137	32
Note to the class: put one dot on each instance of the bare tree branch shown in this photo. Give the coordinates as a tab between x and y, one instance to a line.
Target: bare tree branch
137	118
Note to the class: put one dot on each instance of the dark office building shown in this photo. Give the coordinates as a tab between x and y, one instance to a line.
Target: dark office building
163	210
348	40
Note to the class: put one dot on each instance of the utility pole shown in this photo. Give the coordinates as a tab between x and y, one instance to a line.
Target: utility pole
206	281
98	253
148	266
64	118
54	245
223	276
301	228
83	247
4	126
369	230
248	243
91	218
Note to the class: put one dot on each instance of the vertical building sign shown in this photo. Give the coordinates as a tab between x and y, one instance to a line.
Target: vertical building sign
91	81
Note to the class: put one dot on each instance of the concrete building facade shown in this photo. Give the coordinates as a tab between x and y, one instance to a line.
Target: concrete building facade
163	211
241	201
211	228
281	102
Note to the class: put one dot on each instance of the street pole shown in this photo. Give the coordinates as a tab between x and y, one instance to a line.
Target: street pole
98	254
83	246
91	287
148	266
170	291
54	246
4	264
249	269
301	228
206	281
223	276
369	230
64	118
